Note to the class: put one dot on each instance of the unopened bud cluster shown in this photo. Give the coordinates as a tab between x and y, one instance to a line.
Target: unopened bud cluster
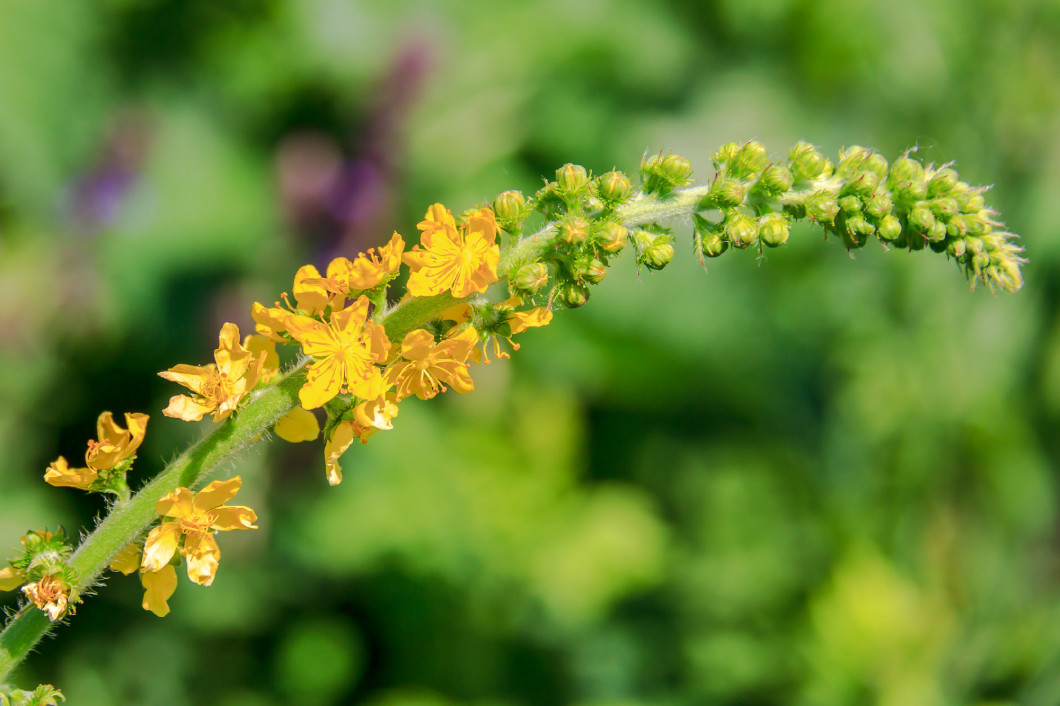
752	202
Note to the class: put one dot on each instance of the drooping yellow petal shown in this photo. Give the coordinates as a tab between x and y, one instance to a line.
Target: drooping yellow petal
159	586
311	297
297	425
194	377
217	493
233	517
160	546
340	440
61	475
10	578
184	407
520	321
203	556
127	560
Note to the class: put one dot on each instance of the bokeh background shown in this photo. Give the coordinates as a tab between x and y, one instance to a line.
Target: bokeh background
808	479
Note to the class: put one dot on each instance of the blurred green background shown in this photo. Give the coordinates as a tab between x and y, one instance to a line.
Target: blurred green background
816	479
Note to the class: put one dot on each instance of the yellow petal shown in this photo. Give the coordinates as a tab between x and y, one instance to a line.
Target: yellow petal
217	493
203	556
158	587
61	475
186	408
348	322
160	546
232	358
176	503
311	297
417	344
137	424
520	321
378	343
193	377
297	425
127	560
270	322
323	381
264	347
340	440
317	339
233	517
11	579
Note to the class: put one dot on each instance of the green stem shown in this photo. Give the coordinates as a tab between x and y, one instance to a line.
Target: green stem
130	518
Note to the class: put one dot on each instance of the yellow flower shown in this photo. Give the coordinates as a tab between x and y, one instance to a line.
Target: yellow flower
368	270
112	449
369	417
297	425
158	585
218	388
427	367
194	519
346	350
464	260
51	594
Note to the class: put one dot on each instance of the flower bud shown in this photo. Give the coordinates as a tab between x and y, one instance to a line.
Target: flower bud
571	179
530	278
879	205
937	234
858	227
741	230
851	159
942	182
912	190
889	229
776	179
508	207
661	174
971	202
611	237
613	187
726	193
725	154
877	164
807	163
921	219
905	169
945	207
863	183
774	229
850	205
573	230
956	247
654	250
750	159
708	237
589	269
677	169
571	294
822	207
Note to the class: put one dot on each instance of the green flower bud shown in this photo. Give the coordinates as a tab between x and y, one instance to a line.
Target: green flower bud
589	269
726	193
858	226
974	224
956	247
725	154
613	187
974	245
944	208
654	250
751	158
741	230
879	205
776	179
807	163
529	279
889	229
571	180
971	201
573	230
912	190
822	207
863	183
851	159
937	234
661	174
905	169
921	219
571	294
611	237
508	207
774	229
942	182
877	164
708	238
549	203
850	204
